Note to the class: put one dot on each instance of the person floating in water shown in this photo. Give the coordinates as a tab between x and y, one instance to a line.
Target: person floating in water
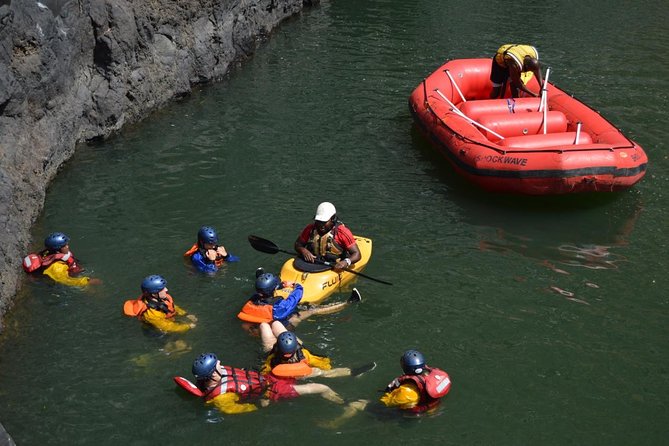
420	388
266	306
236	390
157	308
289	358
207	255
57	262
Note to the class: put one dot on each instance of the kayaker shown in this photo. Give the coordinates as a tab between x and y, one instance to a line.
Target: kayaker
266	306
230	389
328	239
289	358
157	308
510	61
207	255
57	262
420	388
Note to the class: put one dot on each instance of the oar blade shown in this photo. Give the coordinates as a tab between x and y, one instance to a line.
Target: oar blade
263	245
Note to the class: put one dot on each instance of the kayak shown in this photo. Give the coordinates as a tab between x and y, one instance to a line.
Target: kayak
320	284
537	146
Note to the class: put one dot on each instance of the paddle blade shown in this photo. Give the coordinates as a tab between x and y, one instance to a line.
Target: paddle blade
189	386
263	245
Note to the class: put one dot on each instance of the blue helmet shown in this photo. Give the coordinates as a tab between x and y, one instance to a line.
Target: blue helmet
412	362
287	342
204	366
266	284
153	284
207	234
56	240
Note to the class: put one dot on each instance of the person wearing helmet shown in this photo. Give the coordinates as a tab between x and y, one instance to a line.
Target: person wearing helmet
266	306
420	388
509	62
231	390
157	308
207	255
328	239
287	357
57	262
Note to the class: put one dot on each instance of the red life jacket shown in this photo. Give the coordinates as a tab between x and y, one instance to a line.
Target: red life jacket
245	383
33	261
431	388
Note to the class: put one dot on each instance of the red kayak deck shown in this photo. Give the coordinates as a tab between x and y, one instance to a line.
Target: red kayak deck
514	145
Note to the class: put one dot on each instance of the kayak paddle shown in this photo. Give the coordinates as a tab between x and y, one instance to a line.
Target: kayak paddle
268	247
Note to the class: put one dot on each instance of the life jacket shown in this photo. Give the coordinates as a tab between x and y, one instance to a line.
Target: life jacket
431	387
513	53
196	247
34	261
245	383
137	307
257	311
324	246
296	366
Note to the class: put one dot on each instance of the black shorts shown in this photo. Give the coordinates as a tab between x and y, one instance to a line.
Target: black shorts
498	74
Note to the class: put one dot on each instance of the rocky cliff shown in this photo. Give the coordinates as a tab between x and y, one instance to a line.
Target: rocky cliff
79	70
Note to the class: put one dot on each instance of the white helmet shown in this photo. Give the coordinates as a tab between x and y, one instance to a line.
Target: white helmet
325	211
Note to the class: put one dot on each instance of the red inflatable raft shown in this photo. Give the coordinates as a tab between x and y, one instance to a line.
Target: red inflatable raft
552	145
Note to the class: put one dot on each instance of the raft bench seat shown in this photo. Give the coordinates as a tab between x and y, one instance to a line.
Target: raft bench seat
541	141
521	124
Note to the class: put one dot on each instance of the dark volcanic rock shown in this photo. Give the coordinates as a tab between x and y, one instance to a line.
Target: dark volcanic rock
77	70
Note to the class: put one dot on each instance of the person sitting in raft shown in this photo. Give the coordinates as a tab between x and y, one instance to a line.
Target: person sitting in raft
264	306
420	388
327	239
207	255
57	262
510	61
289	359
230	389
157	308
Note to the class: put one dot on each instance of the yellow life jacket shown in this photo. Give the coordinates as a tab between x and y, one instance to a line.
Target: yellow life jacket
514	53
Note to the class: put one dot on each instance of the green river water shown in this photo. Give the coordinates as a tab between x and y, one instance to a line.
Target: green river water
550	314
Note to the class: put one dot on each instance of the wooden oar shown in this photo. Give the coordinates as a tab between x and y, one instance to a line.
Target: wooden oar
268	247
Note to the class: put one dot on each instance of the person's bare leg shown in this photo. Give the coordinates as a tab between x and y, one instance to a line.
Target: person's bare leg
320	389
267	336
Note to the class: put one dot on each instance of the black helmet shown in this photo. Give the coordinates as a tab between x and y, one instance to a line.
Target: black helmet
207	234
412	362
287	342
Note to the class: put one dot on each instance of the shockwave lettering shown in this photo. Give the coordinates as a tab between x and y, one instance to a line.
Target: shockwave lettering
501	159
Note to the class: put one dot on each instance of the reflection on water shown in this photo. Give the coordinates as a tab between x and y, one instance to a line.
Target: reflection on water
574	248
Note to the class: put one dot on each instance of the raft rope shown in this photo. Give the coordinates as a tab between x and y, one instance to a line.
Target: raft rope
448	73
465	117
